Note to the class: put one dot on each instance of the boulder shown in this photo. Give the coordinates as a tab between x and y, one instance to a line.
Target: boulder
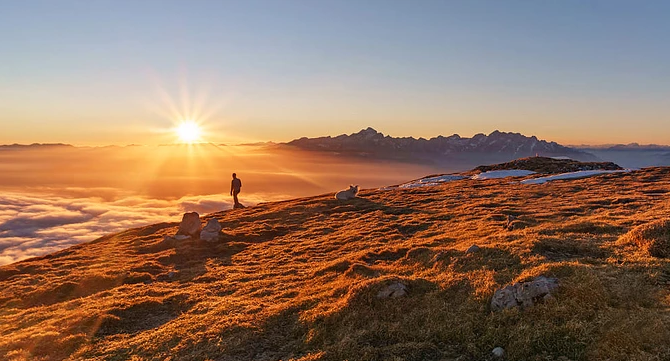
394	290
474	248
524	294
211	231
190	225
498	352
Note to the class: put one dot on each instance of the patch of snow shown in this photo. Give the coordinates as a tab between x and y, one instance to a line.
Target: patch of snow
494	174
432	181
561	157
571	175
427	182
440	179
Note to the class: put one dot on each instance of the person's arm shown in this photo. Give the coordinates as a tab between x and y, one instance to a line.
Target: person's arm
231	188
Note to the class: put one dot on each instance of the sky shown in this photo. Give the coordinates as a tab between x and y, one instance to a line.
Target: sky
126	72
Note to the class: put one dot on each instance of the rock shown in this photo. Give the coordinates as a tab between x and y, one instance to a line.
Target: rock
181	237
238	206
211	231
498	352
171	274
393	290
190	225
510	219
524	294
474	248
517	225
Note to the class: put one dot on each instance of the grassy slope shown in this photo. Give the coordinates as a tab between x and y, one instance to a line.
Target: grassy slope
297	280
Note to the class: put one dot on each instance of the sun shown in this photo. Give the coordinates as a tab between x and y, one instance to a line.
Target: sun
188	131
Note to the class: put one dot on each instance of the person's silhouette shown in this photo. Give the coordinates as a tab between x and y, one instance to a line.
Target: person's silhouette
235	188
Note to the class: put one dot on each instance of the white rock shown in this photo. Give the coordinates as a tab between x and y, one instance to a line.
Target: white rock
211	231
523	294
498	352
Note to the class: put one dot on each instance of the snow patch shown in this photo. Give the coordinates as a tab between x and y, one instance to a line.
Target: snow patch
571	175
427	182
495	174
432	181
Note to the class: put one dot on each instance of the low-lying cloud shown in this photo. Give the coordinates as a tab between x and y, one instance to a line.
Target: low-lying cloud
37	224
55	197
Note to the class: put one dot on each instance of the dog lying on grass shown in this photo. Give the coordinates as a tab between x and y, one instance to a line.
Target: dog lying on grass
345	194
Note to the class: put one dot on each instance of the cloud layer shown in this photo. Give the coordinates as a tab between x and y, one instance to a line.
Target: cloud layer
37	224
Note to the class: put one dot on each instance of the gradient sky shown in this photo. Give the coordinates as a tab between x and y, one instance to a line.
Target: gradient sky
120	72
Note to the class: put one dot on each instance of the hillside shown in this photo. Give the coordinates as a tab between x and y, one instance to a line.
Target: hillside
305	279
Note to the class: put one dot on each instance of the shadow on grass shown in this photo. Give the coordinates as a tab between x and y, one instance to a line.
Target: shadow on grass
556	249
146	315
364	205
367	327
505	264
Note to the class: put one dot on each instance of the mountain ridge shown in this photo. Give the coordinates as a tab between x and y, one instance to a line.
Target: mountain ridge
498	145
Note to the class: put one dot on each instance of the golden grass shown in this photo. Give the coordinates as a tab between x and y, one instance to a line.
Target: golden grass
297	280
652	237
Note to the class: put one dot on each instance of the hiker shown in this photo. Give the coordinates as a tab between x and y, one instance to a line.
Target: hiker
235	187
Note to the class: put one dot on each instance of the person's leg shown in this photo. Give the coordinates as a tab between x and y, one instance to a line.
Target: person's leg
235	193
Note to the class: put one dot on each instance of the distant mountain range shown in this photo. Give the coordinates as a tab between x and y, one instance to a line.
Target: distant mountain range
632	155
625	147
34	146
454	152
480	149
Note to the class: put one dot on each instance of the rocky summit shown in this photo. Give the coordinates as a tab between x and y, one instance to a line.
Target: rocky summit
389	275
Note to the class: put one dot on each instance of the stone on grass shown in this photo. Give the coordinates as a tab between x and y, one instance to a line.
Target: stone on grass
474	248
510	218
524	294
190	225
498	352
211	231
394	290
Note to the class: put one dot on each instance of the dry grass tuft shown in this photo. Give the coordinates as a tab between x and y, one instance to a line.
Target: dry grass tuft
653	237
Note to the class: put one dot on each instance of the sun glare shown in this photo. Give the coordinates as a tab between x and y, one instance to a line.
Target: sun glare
188	131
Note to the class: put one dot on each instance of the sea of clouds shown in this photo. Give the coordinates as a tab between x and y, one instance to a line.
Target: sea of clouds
35	224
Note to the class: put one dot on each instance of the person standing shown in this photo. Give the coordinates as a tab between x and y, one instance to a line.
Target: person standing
235	188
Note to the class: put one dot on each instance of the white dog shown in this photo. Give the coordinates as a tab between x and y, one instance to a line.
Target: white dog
345	194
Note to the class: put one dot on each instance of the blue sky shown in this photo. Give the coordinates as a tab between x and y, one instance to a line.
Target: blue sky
101	72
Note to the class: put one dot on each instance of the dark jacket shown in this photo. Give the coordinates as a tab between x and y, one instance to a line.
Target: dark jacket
236	185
